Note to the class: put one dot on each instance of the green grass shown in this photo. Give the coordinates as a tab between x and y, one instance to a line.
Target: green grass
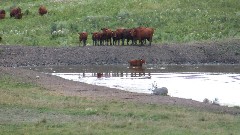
173	20
29	109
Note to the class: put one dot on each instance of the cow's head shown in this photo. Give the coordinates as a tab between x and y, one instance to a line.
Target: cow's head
142	61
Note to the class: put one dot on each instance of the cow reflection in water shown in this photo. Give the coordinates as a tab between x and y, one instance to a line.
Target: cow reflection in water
132	72
137	71
99	75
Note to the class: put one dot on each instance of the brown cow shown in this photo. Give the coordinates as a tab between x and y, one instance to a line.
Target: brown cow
2	14
97	38
83	38
16	13
107	35
127	35
117	36
42	10
142	34
137	63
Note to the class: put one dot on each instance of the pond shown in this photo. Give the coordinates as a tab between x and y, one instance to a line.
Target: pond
220	83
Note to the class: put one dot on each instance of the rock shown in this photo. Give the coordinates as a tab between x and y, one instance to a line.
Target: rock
160	91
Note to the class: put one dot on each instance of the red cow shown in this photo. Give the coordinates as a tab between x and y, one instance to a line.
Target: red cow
42	10
107	35
137	63
2	14
97	38
117	36
127	35
83	38
16	13
142	34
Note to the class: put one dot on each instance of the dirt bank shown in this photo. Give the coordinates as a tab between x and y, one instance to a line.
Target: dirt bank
227	52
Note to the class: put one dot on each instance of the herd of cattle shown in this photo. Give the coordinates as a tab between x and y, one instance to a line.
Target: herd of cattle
110	37
104	37
16	12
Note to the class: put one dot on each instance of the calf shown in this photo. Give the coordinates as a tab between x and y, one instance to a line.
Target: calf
2	14
83	38
42	10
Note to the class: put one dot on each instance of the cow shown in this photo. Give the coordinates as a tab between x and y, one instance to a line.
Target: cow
42	10
117	36
107	36
83	38
142	34
97	38
2	14
16	13
127	35
136	62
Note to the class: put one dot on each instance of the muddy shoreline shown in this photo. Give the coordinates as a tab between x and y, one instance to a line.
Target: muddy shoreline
225	52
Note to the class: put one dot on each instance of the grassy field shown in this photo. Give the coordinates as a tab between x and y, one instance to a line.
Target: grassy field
29	109
173	20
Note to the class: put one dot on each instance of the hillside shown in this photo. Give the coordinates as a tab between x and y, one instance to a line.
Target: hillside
173	20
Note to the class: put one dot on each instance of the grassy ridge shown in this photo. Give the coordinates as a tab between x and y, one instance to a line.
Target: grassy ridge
28	109
173	20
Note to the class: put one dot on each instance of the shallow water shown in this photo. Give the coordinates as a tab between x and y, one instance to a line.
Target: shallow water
214	82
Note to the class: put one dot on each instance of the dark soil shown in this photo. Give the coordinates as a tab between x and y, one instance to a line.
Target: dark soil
13	57
227	52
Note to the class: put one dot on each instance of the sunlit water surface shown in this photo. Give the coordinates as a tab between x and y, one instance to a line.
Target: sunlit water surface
214	82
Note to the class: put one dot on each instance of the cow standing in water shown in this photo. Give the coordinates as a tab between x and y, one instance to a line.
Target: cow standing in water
42	10
136	63
83	38
142	34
